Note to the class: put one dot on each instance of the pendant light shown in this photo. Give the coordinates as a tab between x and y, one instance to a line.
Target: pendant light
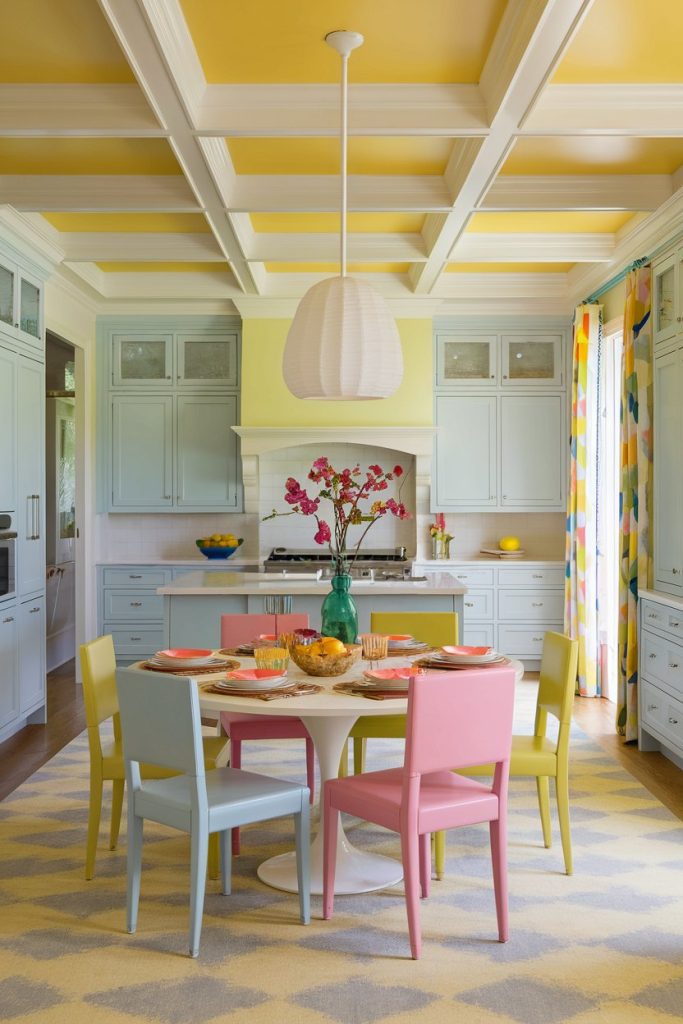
343	343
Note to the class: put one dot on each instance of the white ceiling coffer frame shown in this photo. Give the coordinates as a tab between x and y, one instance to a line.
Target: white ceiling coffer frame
258	441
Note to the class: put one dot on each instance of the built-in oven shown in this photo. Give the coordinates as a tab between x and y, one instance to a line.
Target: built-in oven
8	557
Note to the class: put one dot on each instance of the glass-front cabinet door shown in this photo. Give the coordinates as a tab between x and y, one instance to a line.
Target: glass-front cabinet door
142	359
664	307
532	360
7	283
30	311
466	359
207	360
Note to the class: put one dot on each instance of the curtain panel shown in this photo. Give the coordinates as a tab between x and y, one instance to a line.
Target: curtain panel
581	550
635	500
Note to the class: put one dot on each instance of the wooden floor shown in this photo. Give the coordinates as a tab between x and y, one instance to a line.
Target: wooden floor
24	753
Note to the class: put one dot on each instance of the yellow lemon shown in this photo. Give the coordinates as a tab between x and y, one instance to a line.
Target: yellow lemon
333	646
216	537
509	544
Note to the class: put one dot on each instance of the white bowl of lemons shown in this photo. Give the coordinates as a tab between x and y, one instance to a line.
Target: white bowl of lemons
219	545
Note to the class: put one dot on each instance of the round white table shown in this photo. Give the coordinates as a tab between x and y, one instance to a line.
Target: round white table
329	717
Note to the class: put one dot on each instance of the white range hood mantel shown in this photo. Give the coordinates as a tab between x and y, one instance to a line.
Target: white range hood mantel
257	441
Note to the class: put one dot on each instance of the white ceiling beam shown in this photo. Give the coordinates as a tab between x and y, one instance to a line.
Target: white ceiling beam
578	192
84	193
58	109
322	247
139	247
612	109
529	42
503	286
310	110
152	285
541	247
145	30
319	193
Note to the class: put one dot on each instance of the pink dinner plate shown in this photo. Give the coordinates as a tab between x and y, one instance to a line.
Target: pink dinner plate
267	638
185	653
399	638
251	675
385	674
468	652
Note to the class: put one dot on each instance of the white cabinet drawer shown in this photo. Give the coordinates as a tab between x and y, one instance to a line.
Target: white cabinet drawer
473	577
478	634
134	644
132	606
478	604
523	641
659	616
534	605
663	660
662	714
135	577
531	577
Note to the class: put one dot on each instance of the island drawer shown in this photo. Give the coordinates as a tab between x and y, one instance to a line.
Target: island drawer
473	577
524	641
135	644
131	605
660	616
525	605
478	634
135	577
478	604
531	577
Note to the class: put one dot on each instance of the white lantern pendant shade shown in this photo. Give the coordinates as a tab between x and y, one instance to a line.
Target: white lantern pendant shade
343	343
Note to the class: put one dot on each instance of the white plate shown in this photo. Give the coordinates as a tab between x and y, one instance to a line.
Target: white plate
257	685
467	659
388	684
180	664
442	659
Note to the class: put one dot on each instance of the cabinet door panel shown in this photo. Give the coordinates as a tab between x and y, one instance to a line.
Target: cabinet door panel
8	434
668	483
207	360
142	360
532	450
207	452
9	679
30	476
31	654
142	451
532	360
465	451
665	296
466	359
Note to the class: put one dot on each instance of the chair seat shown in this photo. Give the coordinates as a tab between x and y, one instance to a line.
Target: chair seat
533	755
258	727
380	794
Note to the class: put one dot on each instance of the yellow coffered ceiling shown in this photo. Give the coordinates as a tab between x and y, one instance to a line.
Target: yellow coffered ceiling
505	153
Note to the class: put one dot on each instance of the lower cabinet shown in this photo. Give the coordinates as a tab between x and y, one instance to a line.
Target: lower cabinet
9	664
660	677
32	681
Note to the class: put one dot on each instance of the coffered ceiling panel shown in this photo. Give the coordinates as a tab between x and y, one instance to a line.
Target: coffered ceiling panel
86	156
592	154
321	156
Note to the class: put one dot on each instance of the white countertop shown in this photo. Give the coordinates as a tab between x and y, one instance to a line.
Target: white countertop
670	600
196	562
222	583
430	564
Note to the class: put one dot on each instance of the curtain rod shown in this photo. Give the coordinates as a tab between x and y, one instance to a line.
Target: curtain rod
594	296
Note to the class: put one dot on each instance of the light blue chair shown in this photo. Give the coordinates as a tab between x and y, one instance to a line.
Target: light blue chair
161	725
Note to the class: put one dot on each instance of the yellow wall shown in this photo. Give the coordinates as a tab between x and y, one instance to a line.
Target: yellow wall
613	302
266	402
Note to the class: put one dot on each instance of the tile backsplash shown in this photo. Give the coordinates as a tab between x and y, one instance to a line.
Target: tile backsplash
147	536
541	533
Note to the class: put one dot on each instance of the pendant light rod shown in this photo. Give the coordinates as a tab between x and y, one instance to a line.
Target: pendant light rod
344	43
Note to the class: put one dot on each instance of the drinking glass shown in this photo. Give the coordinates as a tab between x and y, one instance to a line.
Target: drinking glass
375	647
272	657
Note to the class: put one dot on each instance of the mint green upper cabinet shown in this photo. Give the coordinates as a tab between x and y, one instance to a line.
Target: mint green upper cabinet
8	434
141	360
21	303
465	452
206	360
141	452
531	360
532	451
206	452
466	359
30	475
668	483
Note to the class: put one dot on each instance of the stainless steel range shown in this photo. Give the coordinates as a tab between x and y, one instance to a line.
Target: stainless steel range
378	563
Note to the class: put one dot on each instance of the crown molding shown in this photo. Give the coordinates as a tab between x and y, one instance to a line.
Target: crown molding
33	236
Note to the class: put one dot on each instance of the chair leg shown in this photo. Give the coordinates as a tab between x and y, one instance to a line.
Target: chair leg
543	790
199	851
440	854
359	748
331	828
498	835
134	868
235	762
226	861
562	791
116	805
94	811
310	768
344	762
410	856
425	864
302	826
214	856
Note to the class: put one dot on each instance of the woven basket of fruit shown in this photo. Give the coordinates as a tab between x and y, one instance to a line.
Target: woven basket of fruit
325	657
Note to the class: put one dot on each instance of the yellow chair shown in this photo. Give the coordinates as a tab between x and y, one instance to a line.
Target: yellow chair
537	755
98	664
436	628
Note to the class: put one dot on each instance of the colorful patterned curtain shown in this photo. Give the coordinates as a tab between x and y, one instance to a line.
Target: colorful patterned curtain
581	583
635	502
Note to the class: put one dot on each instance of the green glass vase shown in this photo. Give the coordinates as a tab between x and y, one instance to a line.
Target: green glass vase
339	612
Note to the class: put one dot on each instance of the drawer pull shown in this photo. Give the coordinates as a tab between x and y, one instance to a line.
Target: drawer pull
653	655
673	664
675	625
134	575
537	575
10	618
675	571
652	615
652	707
135	638
672	720
136	604
537	604
32	611
469	604
537	639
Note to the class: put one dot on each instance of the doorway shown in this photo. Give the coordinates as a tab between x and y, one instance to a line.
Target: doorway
60	500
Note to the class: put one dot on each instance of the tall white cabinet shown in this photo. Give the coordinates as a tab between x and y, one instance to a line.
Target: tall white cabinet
22	486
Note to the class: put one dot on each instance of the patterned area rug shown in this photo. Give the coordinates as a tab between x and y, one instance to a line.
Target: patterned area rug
602	947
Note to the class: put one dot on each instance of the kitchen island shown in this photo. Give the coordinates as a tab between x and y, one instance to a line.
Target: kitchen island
194	603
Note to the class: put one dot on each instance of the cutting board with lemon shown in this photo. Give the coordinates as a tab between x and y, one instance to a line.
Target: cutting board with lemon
508	547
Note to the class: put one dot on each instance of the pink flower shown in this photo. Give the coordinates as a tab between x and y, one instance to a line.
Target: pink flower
377	470
398	471
323	536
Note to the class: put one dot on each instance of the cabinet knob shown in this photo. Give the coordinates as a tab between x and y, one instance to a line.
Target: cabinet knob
653	655
672	720
33	610
673	664
167	497
537	639
537	604
675	571
10	618
505	376
135	638
674	624
469	604
537	575
134	575
136	604
492	376
652	707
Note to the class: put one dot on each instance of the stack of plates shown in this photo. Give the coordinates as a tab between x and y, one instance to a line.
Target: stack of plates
397	641
387	679
256	679
186	657
466	656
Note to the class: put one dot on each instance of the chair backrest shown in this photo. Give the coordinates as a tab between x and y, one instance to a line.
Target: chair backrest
557	679
240	629
160	720
459	719
98	666
436	628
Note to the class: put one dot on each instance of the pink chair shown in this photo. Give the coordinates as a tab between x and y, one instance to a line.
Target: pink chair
239	629
455	720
